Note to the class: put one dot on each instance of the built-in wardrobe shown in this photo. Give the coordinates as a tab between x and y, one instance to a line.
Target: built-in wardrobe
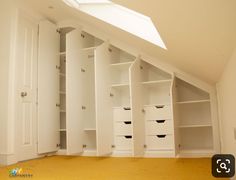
97	99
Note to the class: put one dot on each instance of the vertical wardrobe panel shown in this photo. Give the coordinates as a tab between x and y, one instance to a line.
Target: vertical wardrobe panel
48	88
103	100
136	109
74	40
74	85
175	116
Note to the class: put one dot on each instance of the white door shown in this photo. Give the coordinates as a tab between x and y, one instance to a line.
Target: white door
48	88
136	109
104	120
74	93
26	78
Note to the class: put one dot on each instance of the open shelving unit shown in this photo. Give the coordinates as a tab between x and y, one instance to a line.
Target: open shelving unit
156	90
120	63
194	119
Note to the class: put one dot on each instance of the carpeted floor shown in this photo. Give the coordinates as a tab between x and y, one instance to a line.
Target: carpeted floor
89	168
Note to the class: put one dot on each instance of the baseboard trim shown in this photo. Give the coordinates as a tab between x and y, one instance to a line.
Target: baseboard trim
7	159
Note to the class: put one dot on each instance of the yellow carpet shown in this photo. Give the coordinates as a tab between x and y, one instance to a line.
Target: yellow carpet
83	168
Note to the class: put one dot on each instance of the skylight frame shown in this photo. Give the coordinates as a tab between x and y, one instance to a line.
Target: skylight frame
114	14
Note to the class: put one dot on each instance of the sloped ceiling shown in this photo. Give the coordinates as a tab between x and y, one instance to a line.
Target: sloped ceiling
200	35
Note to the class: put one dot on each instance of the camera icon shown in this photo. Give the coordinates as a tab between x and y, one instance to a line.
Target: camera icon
223	165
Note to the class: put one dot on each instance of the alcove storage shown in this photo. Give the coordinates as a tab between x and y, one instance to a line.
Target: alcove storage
115	103
156	90
120	63
194	121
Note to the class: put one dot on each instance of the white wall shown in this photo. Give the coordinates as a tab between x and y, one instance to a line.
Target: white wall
6	10
226	89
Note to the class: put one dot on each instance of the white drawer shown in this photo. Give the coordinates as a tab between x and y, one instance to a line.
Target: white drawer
122	114
123	128
123	142
158	112
159	127
160	142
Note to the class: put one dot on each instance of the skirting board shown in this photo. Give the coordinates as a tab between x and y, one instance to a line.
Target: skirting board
7	159
196	154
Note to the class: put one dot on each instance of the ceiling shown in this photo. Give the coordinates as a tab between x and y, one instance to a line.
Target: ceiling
200	35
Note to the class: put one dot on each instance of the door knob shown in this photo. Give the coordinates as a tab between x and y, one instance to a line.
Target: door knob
23	94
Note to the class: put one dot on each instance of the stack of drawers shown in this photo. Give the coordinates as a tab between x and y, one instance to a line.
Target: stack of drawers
159	128
123	128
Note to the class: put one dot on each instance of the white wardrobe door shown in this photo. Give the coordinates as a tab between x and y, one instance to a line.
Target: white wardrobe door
104	121
175	117
74	93
48	88
136	109
74	40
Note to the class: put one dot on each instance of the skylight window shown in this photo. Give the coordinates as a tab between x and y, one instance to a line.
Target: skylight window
121	17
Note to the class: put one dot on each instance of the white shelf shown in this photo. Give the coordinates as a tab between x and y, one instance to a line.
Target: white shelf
89	129
120	85
122	65
156	82
63	111
195	126
62	130
62	92
89	48
192	102
62	53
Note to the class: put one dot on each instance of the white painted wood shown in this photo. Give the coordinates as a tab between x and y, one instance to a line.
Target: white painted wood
73	40
215	122
136	109
196	138
74	93
174	115
103	100
135	52
48	88
124	143
159	127
122	114
158	112
160	142
26	71
123	128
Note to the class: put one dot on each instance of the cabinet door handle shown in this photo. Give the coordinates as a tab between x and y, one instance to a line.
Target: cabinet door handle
23	94
127	122
161	136
160	121
160	107
127	108
128	137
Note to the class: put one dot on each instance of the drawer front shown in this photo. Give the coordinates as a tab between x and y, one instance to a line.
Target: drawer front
123	128
159	127
122	114
160	142
158	112
123	142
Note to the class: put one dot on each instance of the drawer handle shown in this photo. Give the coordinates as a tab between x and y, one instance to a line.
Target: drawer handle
127	108
160	121
161	136
160	107
127	122
128	137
